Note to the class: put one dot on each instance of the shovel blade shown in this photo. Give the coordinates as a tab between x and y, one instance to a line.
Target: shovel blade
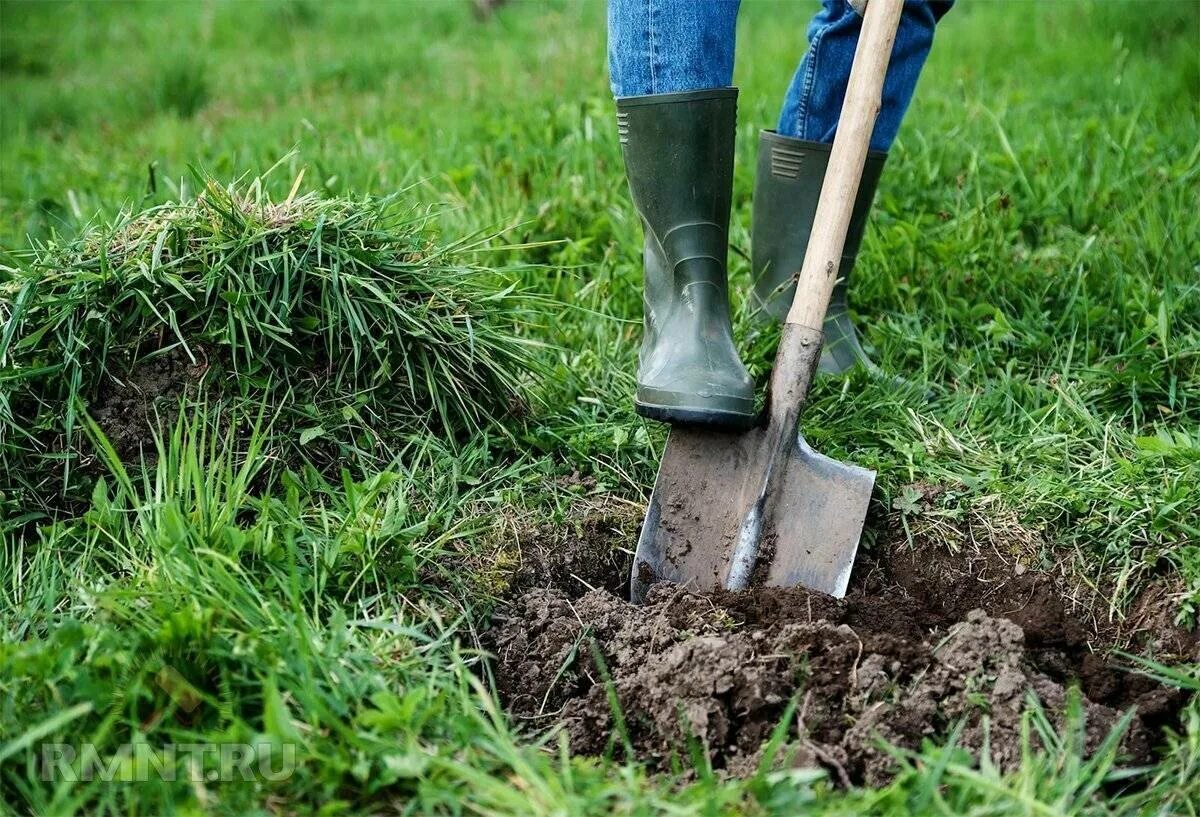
707	484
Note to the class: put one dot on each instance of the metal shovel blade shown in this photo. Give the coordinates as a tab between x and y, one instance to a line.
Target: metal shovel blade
707	484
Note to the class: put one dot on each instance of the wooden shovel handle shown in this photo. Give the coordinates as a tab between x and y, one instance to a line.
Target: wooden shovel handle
863	95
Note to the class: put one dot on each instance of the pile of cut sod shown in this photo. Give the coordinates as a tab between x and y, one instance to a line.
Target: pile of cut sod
341	325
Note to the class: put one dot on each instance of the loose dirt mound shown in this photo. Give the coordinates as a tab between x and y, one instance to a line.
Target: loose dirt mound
923	642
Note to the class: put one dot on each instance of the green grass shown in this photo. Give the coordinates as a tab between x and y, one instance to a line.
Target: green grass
1032	262
344	316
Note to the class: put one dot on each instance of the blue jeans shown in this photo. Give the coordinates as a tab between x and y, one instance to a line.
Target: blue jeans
665	46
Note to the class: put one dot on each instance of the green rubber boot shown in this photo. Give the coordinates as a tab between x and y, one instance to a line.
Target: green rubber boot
786	190
678	152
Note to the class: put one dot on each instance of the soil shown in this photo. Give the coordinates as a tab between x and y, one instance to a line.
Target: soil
586	552
129	411
925	641
1151	622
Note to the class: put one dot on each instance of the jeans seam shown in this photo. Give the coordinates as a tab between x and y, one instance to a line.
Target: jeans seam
810	76
651	46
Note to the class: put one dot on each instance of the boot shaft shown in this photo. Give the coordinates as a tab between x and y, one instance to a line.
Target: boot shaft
678	151
786	190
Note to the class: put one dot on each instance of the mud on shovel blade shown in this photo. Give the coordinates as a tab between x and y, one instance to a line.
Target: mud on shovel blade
810	540
714	522
760	506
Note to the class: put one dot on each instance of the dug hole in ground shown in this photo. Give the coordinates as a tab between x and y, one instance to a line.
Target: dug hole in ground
929	638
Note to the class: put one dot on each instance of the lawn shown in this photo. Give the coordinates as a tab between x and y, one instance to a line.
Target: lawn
318	329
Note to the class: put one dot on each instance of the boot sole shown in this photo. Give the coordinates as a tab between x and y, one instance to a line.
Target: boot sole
706	418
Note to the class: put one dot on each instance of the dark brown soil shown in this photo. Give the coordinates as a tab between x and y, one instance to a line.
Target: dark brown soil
585	552
147	398
924	641
1151	622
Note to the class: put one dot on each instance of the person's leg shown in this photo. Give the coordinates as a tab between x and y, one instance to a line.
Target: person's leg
814	98
667	46
792	161
671	63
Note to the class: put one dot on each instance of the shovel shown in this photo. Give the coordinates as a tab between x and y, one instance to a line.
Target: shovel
735	508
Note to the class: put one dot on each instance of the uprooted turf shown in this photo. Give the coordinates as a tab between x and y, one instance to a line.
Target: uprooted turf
345	321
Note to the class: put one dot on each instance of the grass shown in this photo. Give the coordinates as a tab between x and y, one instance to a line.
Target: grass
343	315
1031	262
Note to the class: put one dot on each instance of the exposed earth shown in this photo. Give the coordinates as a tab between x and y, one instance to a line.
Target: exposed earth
147	399
925	641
